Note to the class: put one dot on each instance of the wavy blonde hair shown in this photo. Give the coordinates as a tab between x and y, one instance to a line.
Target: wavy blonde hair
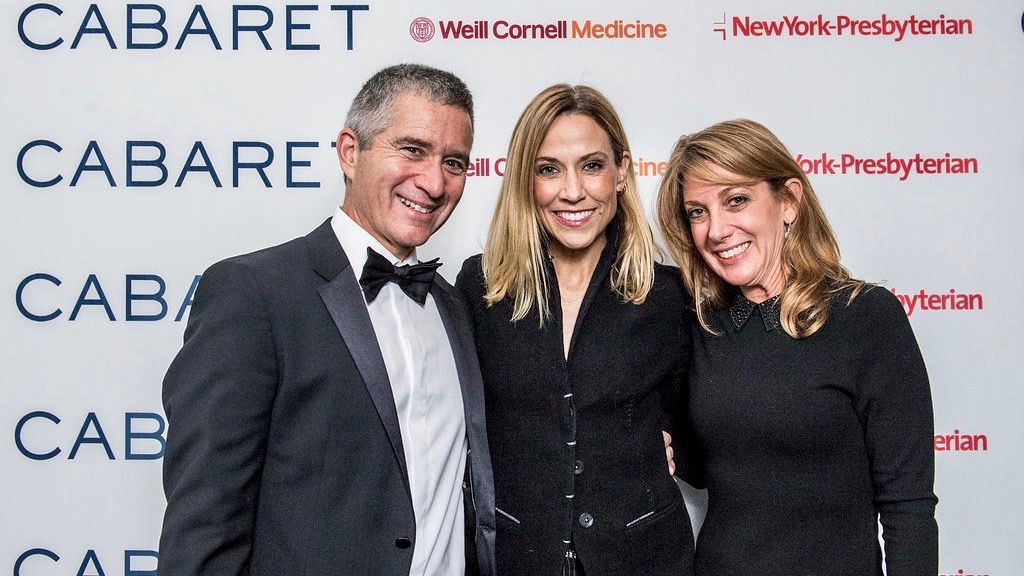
810	252
513	259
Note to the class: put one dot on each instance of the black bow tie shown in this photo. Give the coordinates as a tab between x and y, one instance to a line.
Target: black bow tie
415	280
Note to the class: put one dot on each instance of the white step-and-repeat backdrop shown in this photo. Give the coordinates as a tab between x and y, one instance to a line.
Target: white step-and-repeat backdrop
143	141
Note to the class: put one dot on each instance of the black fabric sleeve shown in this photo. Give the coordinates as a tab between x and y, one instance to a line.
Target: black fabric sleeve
894	405
218	395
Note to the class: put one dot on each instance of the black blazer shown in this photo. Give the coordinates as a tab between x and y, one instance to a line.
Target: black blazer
576	445
284	454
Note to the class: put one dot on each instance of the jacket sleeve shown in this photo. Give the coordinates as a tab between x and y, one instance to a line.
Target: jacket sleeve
470	283
895	408
676	394
218	394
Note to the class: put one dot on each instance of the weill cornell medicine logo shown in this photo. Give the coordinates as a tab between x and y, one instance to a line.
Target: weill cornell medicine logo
421	29
884	26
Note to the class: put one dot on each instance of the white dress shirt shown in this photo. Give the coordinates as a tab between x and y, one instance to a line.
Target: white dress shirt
428	397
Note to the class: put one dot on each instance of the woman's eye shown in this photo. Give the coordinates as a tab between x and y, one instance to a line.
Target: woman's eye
696	214
546	170
593	166
738	200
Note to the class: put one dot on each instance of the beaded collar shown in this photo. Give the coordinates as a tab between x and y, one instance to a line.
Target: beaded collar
741	309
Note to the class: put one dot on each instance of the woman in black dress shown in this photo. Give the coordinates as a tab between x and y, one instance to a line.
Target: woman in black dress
583	343
808	394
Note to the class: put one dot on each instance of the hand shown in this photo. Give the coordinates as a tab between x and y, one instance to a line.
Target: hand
669	452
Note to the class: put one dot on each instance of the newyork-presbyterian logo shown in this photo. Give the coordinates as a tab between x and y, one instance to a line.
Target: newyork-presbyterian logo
902	166
882	26
421	29
961	442
950	301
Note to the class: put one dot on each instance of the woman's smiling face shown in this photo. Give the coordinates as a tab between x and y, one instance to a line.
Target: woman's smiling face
575	179
740	231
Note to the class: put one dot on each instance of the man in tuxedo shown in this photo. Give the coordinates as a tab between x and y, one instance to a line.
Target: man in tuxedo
326	410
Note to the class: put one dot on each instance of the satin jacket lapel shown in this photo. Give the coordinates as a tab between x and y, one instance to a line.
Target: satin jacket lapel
344	301
457	325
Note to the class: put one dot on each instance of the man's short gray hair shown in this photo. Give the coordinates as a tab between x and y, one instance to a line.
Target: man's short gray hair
370	113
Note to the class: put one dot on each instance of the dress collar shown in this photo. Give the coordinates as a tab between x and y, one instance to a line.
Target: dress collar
741	309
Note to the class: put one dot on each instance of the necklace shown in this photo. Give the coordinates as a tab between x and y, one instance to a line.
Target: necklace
573	300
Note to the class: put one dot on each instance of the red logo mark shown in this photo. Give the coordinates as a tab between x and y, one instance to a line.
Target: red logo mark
722	24
421	29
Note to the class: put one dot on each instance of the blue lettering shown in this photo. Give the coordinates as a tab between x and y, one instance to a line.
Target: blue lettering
131	163
24	36
187	302
130	434
83	301
21	164
207	165
100	437
83	166
129	555
33	552
158	26
131	296
20	300
289	26
30	454
259	29
90	558
206	30
290	163
85	29
349	9
260	167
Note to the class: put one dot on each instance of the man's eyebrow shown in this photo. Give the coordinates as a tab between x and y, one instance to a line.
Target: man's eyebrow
428	147
412	141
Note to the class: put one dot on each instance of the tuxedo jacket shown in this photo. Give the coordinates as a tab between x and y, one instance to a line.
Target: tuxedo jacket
284	454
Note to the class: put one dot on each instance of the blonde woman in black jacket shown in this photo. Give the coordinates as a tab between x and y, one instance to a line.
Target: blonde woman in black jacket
583	343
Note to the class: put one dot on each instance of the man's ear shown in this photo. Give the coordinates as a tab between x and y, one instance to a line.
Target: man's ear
347	148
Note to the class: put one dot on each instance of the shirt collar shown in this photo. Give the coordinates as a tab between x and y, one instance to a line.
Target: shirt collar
355	240
742	309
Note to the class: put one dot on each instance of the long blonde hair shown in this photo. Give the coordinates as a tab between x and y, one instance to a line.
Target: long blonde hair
513	259
810	252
